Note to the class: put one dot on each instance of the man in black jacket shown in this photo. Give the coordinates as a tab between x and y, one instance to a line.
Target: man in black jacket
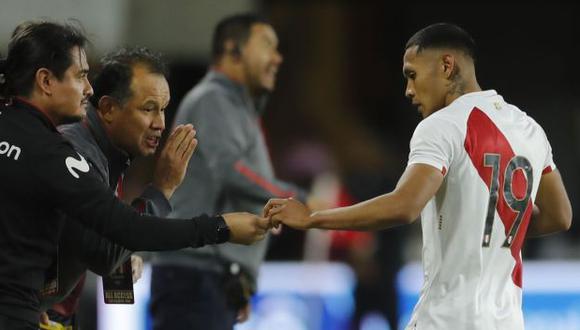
44	81
124	120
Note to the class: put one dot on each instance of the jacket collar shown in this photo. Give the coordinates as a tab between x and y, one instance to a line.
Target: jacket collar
258	105
34	110
118	160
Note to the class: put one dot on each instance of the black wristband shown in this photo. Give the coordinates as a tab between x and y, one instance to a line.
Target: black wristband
213	230
223	231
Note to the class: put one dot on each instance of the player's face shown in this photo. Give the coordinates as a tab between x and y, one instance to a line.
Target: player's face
137	125
70	94
426	85
261	59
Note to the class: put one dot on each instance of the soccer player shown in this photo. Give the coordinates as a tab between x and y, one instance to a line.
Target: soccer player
480	173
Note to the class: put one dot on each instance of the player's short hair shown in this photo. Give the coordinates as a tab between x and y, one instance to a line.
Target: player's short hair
35	45
114	78
236	28
443	35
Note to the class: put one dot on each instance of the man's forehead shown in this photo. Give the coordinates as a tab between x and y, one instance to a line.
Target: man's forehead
146	84
79	58
415	57
264	30
411	54
416	54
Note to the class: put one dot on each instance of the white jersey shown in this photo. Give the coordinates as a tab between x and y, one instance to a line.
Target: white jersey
493	156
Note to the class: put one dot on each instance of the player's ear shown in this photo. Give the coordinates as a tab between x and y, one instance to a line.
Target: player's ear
448	66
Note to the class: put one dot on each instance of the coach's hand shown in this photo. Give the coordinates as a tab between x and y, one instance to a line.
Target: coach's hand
246	228
136	267
244	313
44	320
174	158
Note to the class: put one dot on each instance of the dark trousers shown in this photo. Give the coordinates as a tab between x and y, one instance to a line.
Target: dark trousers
183	298
7	323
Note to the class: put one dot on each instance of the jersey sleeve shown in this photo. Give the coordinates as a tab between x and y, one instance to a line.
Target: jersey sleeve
433	144
549	164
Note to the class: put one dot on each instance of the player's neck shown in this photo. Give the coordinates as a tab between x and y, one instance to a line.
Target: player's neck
461	88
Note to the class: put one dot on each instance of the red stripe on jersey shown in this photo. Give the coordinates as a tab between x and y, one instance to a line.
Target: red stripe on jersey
262	182
483	137
444	170
547	170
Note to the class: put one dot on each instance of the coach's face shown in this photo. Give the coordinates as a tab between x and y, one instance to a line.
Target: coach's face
136	125
261	59
427	84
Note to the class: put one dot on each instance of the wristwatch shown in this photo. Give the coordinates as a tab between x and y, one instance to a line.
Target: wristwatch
223	231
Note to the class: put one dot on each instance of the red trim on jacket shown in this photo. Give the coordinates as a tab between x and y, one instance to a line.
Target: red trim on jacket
261	181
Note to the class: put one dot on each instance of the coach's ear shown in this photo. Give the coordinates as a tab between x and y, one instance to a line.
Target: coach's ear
107	108
45	80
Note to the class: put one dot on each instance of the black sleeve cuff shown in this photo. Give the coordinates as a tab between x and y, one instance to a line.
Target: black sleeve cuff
223	231
213	230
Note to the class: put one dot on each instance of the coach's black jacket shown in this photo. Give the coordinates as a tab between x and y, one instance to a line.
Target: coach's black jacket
42	178
79	248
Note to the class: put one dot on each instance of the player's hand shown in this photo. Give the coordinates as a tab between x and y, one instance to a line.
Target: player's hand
244	313
136	267
246	228
289	212
174	158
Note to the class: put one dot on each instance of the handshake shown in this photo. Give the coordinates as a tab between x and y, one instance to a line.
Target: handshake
247	228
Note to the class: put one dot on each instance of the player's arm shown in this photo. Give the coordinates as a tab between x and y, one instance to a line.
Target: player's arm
552	210
415	188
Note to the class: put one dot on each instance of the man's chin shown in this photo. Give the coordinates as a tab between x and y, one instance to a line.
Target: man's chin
73	119
269	86
146	152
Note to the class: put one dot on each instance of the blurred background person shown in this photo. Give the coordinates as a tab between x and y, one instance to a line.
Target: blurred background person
211	288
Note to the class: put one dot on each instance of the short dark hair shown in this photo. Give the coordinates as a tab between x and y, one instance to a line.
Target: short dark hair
443	35
36	45
114	78
237	28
